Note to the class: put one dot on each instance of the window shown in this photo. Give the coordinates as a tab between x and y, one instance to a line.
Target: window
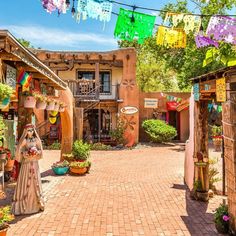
105	82
104	77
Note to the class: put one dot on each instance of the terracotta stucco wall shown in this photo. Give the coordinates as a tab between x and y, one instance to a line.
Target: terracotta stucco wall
184	125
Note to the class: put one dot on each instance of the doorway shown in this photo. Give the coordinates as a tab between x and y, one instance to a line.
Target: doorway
174	120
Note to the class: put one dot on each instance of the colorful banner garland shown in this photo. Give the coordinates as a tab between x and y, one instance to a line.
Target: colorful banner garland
133	25
221	90
24	79
175	38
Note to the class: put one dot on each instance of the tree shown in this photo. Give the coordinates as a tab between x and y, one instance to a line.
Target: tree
25	43
157	65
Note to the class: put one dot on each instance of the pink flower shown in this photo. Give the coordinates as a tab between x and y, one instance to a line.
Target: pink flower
226	218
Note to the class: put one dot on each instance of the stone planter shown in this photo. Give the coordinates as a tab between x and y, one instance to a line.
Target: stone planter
50	106
202	196
29	102
41	105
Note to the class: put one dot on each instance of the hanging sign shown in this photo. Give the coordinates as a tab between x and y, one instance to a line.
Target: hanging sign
11	76
150	103
128	110
220	90
196	92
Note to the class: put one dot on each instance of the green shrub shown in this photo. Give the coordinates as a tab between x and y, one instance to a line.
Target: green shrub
221	217
80	150
100	146
55	146
117	134
158	130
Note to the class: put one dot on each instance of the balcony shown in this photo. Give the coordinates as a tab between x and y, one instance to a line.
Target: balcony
85	90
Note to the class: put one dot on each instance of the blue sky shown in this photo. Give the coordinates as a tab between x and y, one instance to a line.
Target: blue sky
27	19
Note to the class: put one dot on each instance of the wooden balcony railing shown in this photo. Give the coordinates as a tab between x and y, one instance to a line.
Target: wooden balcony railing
84	89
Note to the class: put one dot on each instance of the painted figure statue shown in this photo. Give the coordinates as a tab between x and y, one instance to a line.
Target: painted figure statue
28	197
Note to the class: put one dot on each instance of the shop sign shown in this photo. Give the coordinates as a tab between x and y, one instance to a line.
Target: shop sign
11	76
150	103
129	110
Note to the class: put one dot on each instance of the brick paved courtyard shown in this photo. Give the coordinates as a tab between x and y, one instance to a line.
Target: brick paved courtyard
130	192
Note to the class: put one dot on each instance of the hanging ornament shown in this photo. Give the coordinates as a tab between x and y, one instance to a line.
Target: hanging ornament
174	38
196	91
222	28
81	10
133	25
204	41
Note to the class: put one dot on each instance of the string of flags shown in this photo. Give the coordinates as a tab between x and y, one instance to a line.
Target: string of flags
171	98
24	79
214	106
133	25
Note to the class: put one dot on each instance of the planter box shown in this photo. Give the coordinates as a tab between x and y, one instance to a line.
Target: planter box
29	102
60	170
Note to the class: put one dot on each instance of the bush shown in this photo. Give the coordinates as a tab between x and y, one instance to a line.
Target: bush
100	146
55	146
117	134
80	150
158	130
221	218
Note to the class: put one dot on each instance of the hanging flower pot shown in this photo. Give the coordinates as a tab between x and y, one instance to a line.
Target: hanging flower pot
56	106
61	109
41	105
29	102
50	106
5	102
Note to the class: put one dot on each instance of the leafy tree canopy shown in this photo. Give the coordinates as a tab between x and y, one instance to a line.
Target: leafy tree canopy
25	43
169	69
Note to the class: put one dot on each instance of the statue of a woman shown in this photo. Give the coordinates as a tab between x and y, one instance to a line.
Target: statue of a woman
28	197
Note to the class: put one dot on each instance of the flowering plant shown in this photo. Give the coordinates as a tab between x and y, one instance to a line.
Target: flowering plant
221	218
60	164
5	217
76	164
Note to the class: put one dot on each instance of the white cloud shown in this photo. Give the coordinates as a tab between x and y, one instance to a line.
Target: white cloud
56	38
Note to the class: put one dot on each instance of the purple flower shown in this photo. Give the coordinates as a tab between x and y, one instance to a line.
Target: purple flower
226	218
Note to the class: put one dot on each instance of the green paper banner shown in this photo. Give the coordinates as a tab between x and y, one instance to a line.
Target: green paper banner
132	25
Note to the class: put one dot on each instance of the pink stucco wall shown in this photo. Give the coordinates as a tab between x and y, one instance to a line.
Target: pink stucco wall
189	150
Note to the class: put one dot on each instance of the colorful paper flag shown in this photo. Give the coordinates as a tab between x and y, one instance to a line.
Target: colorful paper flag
220	90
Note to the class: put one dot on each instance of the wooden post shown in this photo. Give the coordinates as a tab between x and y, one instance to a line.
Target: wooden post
79	122
99	123
97	80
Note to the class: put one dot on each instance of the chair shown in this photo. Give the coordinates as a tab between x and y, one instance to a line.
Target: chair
2	164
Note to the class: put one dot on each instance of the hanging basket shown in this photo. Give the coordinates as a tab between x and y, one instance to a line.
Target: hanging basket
41	105
61	109
5	102
56	107
50	106
29	102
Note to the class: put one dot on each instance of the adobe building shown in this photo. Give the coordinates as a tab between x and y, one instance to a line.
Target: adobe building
104	88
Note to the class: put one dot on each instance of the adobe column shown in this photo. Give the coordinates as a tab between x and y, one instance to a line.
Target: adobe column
129	93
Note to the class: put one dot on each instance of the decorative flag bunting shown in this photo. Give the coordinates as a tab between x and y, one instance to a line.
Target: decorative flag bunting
52	5
222	28
132	25
174	38
81	10
191	23
203	41
24	79
220	90
196	92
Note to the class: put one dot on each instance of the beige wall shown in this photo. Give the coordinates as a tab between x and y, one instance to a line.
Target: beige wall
184	125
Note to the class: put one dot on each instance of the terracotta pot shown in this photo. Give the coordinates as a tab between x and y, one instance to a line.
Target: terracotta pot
56	107
50	106
3	232
61	109
10	164
78	171
29	102
41	105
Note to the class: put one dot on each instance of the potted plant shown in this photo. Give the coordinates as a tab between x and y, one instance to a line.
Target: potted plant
68	157
50	104
221	219
30	100
41	101
81	150
217	137
5	93
62	107
199	192
10	160
5	218
61	167
79	168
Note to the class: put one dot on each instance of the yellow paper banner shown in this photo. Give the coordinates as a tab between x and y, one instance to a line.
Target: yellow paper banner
174	38
220	90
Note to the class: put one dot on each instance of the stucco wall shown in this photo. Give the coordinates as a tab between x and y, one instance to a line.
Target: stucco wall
184	125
